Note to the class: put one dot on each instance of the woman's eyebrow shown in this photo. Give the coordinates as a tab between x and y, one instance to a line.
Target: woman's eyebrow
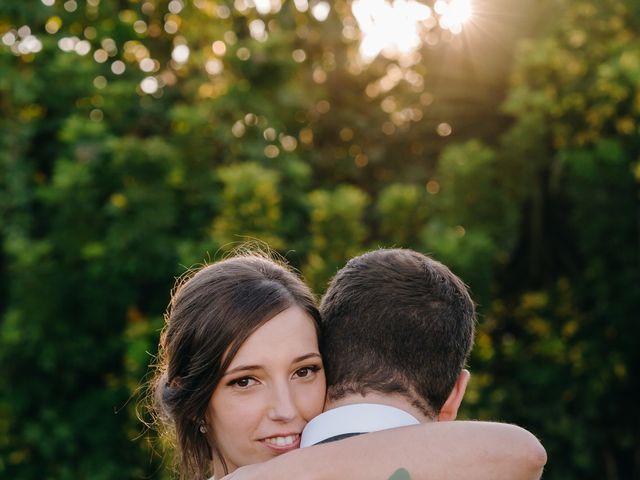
305	356
243	368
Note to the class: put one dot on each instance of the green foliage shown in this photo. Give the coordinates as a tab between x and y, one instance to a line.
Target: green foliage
111	187
583	78
337	229
474	229
403	211
574	99
471	255
532	344
251	205
473	194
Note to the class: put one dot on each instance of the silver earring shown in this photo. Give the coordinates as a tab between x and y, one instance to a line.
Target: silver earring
203	427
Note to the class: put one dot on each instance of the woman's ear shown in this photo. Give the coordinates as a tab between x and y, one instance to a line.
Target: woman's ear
449	410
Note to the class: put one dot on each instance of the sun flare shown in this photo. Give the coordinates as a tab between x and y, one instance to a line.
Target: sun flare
397	27
453	14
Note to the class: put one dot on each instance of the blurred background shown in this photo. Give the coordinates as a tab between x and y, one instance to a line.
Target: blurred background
141	137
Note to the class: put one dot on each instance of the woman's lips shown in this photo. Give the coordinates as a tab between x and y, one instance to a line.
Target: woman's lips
282	443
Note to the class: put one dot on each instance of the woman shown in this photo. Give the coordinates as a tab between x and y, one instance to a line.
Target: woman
240	375
216	319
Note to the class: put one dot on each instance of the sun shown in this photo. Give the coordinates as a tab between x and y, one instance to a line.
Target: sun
453	14
392	28
396	27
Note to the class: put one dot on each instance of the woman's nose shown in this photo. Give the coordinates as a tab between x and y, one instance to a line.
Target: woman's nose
283	407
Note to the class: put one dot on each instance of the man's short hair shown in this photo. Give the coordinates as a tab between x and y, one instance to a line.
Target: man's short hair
396	321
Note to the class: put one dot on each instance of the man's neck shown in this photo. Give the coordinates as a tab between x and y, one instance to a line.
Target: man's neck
392	400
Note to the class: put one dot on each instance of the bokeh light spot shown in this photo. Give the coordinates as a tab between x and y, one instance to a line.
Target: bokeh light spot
147	65
230	37
289	143
96	115
109	45
140	27
444	129
219	48
171	27
388	105
306	136
258	30
432	187
238	129
82	47
180	54
214	66
90	33
53	25
149	85
265	7
66	44
29	44
70	6
223	11
388	128
319	75
299	55
9	39
426	99
100	82
24	31
320	11
323	106
301	5
346	134
100	55
271	151
269	134
118	200
361	160
243	53
175	6
148	8
118	67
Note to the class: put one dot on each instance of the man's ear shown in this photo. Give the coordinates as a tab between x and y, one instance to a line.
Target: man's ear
449	410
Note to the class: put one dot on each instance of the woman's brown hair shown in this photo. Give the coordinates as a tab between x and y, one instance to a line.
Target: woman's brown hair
212	313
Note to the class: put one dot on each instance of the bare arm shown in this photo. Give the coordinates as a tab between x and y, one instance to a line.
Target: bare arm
445	450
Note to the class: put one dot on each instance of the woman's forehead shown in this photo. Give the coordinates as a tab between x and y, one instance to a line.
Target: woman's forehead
286	336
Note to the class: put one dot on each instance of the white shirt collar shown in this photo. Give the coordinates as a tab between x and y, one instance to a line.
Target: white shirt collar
356	418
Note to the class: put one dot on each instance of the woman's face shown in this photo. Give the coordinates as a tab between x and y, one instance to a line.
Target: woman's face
274	385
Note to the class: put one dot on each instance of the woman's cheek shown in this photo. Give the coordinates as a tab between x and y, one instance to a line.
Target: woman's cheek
313	399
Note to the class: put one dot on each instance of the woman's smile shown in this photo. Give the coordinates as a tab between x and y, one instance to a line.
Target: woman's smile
283	442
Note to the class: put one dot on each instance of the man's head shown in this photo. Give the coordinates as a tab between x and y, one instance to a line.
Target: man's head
398	322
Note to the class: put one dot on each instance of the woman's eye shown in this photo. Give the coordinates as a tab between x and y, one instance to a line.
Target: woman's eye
306	371
243	382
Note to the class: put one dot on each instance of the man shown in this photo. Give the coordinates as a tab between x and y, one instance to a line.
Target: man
398	327
397	330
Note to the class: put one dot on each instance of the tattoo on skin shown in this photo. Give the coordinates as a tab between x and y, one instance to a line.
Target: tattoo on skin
400	474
